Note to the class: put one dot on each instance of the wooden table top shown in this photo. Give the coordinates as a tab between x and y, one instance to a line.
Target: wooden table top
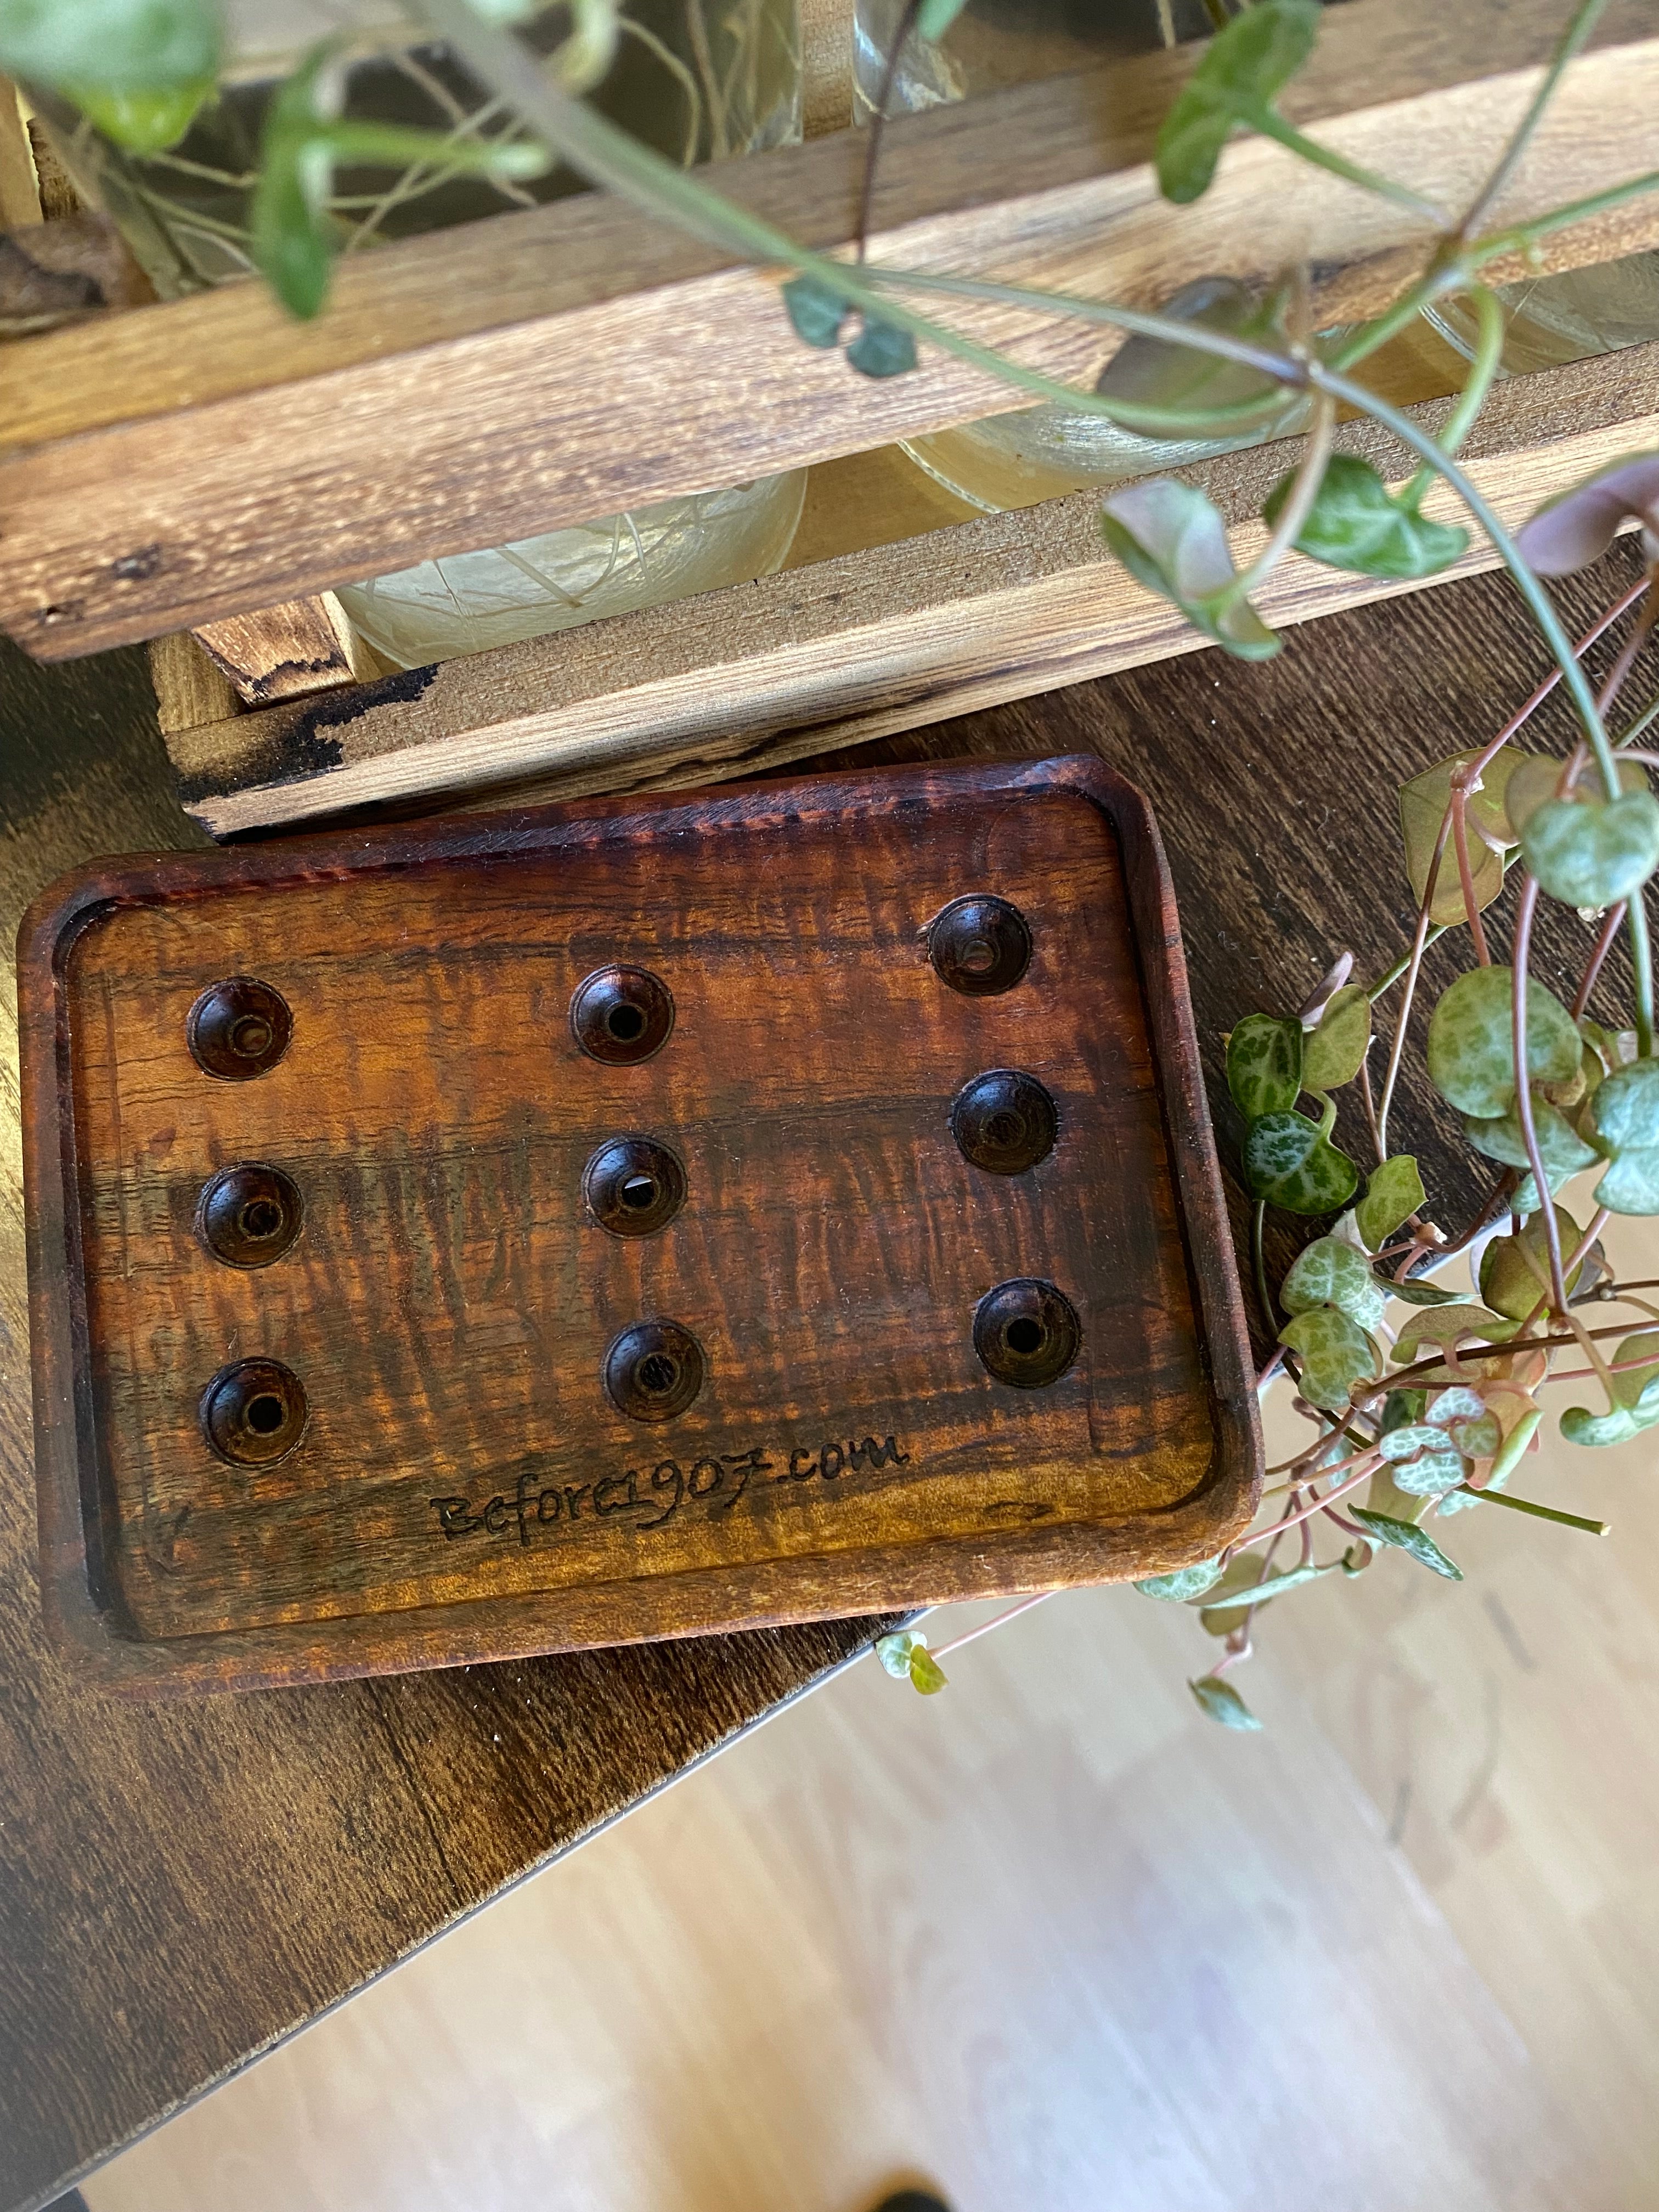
182	1885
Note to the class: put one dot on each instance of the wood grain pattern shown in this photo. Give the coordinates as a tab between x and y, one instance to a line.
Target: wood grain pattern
857	646
54	273
288	652
205	458
448	1305
270	1854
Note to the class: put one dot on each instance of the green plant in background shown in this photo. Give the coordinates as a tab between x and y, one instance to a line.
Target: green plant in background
1424	1398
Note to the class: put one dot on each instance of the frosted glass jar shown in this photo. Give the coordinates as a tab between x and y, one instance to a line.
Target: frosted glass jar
700	80
1036	452
468	602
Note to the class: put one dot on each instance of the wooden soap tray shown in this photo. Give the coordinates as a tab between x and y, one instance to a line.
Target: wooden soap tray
577	1225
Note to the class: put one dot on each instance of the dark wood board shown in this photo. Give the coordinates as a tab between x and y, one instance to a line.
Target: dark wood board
459	1485
266	1854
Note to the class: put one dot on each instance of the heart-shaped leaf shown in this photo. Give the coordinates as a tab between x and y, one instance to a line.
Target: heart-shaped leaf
138	48
1264	1065
1569	531
1172	539
1355	524
1333	1053
1416	1292
817	310
1471	1048
1446	1326
1562	1150
1625	1111
143	121
1406	1536
1328	1273
1241	71
926	1675
1245	1585
1161	373
1335	1355
1423	804
1634	1393
1223	1702
882	349
1515	1271
1431	1471
1590	852
1289	1162
1184	1583
1393	1194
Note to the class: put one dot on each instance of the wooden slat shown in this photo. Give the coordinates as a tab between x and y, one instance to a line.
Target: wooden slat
288	652
852	647
205	458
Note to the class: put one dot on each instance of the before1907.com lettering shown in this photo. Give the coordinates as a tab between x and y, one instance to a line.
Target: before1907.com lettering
650	1498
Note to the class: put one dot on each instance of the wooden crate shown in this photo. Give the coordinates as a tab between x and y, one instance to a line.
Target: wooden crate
175	466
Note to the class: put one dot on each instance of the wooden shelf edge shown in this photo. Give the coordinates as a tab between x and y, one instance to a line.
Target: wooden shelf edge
851	648
188	463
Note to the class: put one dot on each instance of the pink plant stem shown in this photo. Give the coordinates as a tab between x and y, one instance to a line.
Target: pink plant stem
1609	930
1484	760
1524	1093
1460	819
1294	1519
996	1621
1396	1051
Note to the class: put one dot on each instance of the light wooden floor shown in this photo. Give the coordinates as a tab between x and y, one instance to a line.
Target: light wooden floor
1055	1941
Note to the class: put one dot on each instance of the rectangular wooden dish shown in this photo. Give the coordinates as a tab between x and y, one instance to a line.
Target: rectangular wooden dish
459	1480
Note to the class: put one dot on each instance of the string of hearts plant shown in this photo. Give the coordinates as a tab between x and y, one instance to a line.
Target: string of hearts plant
1427	1412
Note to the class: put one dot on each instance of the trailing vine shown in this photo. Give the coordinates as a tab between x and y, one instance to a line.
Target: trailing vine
1423	1399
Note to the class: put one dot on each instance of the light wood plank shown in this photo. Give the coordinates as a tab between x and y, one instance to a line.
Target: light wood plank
205	458
287	652
852	647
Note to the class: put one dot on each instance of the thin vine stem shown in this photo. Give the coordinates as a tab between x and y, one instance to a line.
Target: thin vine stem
1571	43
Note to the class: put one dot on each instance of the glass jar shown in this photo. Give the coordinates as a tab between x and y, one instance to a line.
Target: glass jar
1037	452
696	80
1573	317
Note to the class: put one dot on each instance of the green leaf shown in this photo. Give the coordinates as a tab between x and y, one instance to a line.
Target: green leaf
1185	1582
1593	853
1289	1162
99	47
1560	1147
1444	1326
1432	1473
1328	1273
926	1675
1406	1536
1418	1293
1335	1355
1514	1447
882	349
1172	539
1508	1284
1393	1194
1423	803
1161	374
1223	1702
1355	524
1273	1586
143	121
1616	1427
817	310
894	1651
1241	71
1471	1048
293	241
1625	1111
1333	1053
1401	1408
1385	1496
935	17
1264	1065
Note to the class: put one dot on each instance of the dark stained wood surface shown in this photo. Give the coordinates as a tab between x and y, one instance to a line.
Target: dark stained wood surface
460	1485
182	1885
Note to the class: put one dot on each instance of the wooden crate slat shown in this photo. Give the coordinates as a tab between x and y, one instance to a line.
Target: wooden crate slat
204	458
854	648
